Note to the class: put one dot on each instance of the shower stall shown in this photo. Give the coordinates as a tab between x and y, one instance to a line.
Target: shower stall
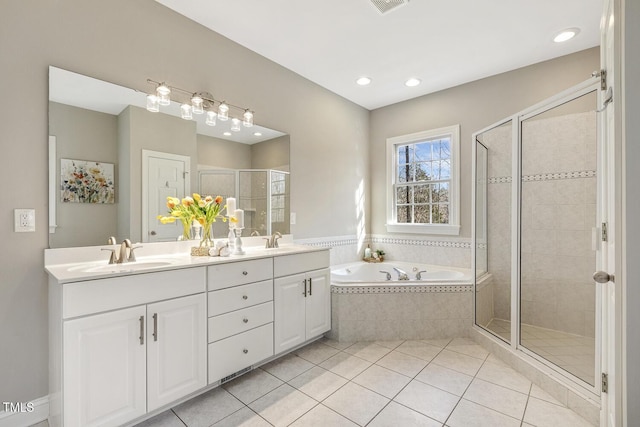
537	233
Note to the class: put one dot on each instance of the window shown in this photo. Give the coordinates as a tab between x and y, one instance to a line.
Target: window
423	182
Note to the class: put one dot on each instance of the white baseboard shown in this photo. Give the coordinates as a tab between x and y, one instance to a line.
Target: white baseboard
25	419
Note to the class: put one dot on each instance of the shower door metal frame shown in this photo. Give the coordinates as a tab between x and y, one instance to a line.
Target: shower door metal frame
581	89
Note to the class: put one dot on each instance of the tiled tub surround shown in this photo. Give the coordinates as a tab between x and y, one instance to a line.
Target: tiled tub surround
379	312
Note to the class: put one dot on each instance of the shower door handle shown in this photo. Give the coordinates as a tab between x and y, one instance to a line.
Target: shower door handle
603	277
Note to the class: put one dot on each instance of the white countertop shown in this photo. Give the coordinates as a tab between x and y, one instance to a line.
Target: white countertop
88	263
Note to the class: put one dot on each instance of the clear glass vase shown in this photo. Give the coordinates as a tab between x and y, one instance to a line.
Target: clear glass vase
207	237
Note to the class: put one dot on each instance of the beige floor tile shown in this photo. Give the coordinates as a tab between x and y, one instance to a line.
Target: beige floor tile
442	343
368	351
458	362
340	345
545	414
427	400
345	365
321	416
444	378
287	367
245	417
282	406
356	403
505	376
419	349
381	380
252	385
390	344
395	415
316	352
469	414
473	350
165	419
402	363
539	393
498	398
318	383
208	408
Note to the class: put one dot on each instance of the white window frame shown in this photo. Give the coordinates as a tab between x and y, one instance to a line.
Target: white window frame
451	229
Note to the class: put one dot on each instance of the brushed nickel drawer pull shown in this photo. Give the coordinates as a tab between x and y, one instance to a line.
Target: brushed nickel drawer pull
141	330
245	351
305	288
310	286
155	326
245	320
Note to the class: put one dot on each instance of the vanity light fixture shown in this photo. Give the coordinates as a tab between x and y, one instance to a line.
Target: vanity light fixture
412	82
566	35
199	103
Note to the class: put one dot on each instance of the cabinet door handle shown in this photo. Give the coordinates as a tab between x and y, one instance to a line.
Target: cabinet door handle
310	286
155	326
244	297
245	351
141	330
245	320
305	288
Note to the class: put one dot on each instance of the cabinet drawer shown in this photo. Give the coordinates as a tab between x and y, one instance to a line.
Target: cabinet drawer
94	296
286	265
238	273
230	299
238	321
240	351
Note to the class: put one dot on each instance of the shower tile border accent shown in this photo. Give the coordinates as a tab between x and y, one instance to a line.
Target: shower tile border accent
439	288
544	177
421	242
331	241
499	180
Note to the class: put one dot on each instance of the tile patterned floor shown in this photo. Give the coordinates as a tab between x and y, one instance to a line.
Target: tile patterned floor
573	353
432	383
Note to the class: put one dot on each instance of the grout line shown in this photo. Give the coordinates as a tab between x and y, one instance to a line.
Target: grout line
526	405
178	417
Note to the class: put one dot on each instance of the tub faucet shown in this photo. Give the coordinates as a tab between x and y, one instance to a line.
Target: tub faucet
419	274
402	275
387	273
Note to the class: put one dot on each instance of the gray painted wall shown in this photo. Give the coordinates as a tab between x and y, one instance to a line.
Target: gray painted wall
120	41
223	154
271	154
631	70
474	106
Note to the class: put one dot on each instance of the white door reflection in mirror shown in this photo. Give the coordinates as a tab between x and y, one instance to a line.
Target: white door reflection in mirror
164	175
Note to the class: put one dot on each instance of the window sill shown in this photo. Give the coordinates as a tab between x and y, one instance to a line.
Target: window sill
440	229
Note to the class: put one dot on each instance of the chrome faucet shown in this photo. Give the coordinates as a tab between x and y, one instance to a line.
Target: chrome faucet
272	242
419	274
388	275
402	275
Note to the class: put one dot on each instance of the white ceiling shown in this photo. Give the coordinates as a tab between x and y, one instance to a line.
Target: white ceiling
443	42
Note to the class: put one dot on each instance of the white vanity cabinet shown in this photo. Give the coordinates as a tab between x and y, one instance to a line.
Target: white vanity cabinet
302	298
240	316
129	345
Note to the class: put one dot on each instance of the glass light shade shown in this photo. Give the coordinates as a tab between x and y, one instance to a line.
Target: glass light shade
235	125
185	112
223	112
196	104
163	92
153	103
247	119
211	118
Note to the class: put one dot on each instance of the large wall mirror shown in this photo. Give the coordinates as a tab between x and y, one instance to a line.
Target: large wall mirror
105	146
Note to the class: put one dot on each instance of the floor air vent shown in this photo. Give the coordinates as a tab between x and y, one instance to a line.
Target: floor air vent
234	375
384	6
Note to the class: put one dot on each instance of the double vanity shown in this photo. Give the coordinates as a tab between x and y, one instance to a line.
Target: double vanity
128	340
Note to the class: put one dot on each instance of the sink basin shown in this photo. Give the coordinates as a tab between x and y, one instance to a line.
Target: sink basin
118	268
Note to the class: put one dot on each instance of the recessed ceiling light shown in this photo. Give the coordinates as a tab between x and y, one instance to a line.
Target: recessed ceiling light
227	134
363	81
412	82
565	35
257	134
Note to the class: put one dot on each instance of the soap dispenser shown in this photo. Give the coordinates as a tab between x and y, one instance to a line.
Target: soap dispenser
367	252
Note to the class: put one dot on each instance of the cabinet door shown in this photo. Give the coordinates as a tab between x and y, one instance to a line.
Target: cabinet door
176	349
318	303
104	368
289	312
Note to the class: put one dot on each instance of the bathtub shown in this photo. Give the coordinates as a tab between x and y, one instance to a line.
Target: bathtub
363	272
367	307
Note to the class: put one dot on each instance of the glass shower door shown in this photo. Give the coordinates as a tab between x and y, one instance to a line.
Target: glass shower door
558	216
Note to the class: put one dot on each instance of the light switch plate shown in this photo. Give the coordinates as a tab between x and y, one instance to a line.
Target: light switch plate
292	218
24	220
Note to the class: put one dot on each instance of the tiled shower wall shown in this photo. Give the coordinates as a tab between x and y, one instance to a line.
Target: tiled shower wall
558	213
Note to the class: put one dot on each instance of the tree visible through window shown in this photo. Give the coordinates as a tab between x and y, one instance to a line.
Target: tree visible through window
422	182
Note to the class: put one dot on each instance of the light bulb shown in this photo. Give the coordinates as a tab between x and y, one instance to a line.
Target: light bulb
235	125
185	111
412	82
153	103
211	118
196	104
223	112
163	92
247	118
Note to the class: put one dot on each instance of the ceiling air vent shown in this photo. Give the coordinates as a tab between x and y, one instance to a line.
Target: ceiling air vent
384	6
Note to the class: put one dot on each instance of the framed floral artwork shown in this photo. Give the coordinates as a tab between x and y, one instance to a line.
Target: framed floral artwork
83	181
